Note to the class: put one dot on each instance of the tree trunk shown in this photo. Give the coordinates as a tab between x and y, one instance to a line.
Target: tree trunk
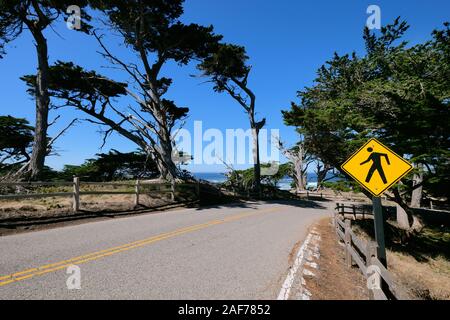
414	222
402	218
42	107
299	174
256	160
167	168
304	179
321	175
416	195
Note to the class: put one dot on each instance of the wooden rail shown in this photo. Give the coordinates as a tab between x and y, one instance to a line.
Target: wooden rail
55	183
362	210
364	255
354	210
76	193
35	195
323	195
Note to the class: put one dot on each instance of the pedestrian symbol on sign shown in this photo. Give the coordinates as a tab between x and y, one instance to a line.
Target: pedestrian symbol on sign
375	157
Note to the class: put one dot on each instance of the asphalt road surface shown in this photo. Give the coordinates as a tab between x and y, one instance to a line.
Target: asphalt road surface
227	252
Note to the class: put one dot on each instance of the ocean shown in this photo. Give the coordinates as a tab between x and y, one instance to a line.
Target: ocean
219	177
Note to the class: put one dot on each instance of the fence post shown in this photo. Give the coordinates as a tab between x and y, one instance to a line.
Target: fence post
336	224
371	253
354	211
348	243
76	194
336	213
136	193
172	190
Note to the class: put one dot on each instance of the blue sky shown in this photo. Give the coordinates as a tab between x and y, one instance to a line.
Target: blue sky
287	41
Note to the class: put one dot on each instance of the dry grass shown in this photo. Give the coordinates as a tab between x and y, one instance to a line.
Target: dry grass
62	206
421	266
423	280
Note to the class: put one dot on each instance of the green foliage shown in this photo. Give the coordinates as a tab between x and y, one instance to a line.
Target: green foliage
159	31
226	63
244	179
72	83
154	31
48	174
111	166
343	186
397	94
16	137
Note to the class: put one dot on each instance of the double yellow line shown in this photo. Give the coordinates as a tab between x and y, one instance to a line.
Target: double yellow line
29	273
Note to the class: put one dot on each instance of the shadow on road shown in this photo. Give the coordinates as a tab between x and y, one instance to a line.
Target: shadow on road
254	204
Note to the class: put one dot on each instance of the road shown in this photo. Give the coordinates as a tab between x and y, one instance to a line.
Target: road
226	252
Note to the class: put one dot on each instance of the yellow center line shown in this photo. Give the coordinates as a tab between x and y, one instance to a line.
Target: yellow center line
91	254
26	274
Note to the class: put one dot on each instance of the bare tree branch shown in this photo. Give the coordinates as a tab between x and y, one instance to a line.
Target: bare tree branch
61	133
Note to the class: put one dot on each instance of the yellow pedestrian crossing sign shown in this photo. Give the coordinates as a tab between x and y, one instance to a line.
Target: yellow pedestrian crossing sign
376	167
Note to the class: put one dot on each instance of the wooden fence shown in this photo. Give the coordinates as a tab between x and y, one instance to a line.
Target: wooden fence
76	193
326	195
364	255
363	211
354	211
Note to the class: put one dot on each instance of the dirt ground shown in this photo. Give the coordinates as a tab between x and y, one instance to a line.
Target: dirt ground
333	280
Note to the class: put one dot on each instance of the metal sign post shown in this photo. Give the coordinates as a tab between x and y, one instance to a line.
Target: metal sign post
379	237
379	229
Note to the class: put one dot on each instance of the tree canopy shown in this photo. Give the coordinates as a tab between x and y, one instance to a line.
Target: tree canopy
16	137
154	32
226	64
111	166
396	93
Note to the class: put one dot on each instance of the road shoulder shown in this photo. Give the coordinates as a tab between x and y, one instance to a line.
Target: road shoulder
324	275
